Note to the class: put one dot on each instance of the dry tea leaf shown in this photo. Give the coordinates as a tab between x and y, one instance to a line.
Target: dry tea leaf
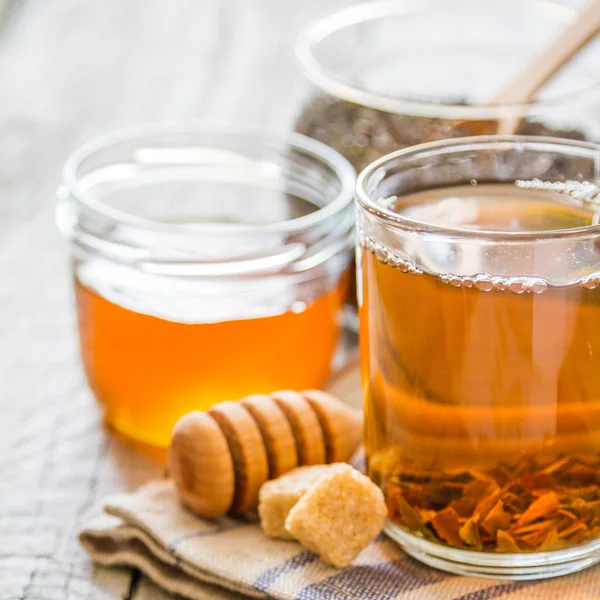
473	493
496	518
565	513
536	536
506	543
571	530
551	542
469	534
583	474
524	530
543	506
537	481
557	465
588	493
536	504
427	515
485	506
409	515
447	526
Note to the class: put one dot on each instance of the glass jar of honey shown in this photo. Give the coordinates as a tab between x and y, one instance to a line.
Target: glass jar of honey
479	303
208	265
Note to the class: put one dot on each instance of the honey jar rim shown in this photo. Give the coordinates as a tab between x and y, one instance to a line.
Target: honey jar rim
328	157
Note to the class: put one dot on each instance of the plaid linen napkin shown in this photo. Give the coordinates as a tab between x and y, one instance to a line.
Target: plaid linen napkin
200	559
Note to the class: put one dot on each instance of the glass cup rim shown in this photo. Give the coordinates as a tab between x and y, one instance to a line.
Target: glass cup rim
330	82
376	170
295	141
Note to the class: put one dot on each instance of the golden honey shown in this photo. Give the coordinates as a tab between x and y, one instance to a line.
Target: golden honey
147	371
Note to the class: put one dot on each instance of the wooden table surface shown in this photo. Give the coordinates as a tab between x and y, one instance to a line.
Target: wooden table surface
71	69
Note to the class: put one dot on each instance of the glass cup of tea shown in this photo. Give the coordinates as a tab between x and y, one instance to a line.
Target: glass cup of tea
479	302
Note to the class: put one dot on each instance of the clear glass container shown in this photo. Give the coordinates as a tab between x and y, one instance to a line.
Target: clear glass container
479	303
208	265
393	73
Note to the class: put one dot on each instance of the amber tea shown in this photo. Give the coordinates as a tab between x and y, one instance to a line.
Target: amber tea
483	392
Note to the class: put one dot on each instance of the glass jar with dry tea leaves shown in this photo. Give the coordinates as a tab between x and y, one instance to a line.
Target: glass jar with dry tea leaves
393	73
479	301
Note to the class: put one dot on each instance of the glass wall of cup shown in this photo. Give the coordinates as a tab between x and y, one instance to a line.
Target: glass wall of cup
479	302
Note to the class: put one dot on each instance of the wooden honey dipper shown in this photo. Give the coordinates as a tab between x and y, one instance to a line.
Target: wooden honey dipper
220	458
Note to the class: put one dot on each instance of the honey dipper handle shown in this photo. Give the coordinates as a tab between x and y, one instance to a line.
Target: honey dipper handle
543	68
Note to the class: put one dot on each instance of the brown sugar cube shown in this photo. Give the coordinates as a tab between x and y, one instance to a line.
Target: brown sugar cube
339	516
277	497
277	434
247	450
305	426
201	465
342	425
